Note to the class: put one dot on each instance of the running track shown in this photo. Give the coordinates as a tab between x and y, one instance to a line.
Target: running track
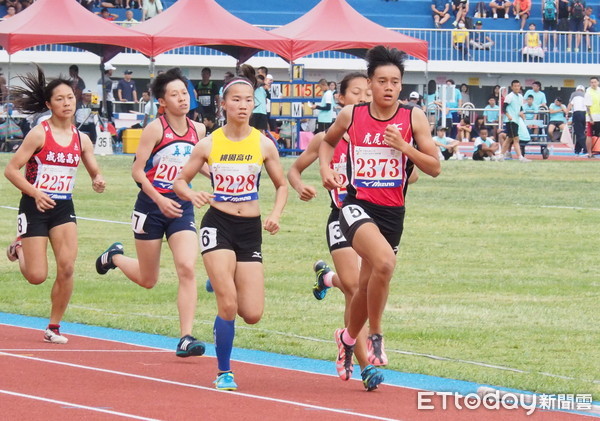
139	377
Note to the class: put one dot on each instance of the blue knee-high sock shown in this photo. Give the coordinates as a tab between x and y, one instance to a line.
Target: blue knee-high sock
224	332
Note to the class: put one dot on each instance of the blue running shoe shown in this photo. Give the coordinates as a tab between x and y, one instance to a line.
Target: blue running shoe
208	286
319	288
189	346
371	377
104	262
225	382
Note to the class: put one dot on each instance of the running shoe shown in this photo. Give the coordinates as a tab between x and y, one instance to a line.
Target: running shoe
375	350
54	337
344	363
189	346
371	377
319	288
225	381
11	250
104	262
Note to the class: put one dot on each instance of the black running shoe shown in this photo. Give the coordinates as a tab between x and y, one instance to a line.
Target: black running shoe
319	288
189	346
104	262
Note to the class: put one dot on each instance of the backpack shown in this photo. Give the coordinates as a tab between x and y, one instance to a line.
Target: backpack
549	12
577	12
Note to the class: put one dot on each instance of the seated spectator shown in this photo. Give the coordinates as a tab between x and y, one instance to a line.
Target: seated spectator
10	12
464	129
589	26
491	115
26	3
532	51
558	118
480	40
133	4
484	147
461	9
16	3
480	10
460	40
111	3
576	15
151	8
522	11
85	119
530	109
105	14
477	126
440	11
550	22
500	8
129	21
464	93
448	146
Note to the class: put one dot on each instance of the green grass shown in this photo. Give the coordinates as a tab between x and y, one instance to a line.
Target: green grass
494	268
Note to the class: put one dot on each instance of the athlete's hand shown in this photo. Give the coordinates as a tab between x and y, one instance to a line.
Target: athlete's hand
307	193
43	202
98	184
331	179
200	198
272	225
170	208
393	138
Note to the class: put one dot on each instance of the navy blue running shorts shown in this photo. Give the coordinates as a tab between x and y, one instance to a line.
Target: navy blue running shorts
149	223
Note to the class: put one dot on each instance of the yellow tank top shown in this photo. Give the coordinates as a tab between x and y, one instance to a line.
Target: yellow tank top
533	39
235	167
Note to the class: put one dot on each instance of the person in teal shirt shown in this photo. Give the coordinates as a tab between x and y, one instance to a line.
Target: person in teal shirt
539	98
558	118
513	118
531	113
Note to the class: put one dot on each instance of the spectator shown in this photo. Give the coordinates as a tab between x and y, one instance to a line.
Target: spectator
84	118
481	10
577	13
194	112
440	12
460	40
25	4
563	15
259	118
592	104
10	12
88	4
464	93
16	3
522	10
513	118
325	116
448	146
491	115
558	118
107	89
150	109
3	88
532	51
461	9
464	129
479	39
210	121
453	101
589	26
531	113
151	8
126	90
539	97
208	93
133	4
262	70
550	22
111	3
105	14
76	82
221	117
484	147
500	8
477	126
577	107
430	105
129	21
496	93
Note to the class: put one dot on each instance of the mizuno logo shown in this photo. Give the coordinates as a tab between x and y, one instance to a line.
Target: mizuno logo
257	254
378	183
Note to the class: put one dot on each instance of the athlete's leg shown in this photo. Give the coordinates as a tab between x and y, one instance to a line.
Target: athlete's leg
63	239
184	246
33	249
143	270
249	283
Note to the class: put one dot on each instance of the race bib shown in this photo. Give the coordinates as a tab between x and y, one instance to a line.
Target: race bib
335	233
204	100
167	171
138	220
377	167
56	181
235	182
208	238
353	213
21	224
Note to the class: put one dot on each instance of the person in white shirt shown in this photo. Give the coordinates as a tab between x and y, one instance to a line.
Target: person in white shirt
448	146
484	147
577	107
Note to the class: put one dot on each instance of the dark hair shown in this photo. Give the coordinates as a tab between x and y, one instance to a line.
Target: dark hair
104	9
431	87
559	99
492	97
466	119
246	74
159	85
32	98
465	85
322	81
451	81
263	69
210	117
349	78
207	69
513	82
594	77
529	96
538	83
74	68
382	56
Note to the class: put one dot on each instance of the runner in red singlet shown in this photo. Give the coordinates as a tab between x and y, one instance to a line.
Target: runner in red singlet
384	137
51	152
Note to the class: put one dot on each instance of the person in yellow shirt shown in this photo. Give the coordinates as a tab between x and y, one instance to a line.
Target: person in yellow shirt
460	40
532	51
592	104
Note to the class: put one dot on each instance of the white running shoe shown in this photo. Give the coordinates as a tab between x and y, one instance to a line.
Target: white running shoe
54	337
523	159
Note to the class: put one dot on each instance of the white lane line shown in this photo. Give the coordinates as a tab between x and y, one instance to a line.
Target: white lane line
175	383
80	217
127	351
76	405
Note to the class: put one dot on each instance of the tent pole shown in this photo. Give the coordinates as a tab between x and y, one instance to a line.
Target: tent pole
7	99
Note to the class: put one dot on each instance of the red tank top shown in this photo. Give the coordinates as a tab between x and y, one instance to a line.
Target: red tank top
339	164
53	168
169	156
377	173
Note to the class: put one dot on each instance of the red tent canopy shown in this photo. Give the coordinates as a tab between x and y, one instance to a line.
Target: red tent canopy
66	22
335	25
206	23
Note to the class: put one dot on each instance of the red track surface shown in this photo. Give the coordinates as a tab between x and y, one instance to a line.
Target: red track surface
128	381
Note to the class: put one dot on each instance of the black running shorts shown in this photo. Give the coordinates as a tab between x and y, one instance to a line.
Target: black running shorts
33	223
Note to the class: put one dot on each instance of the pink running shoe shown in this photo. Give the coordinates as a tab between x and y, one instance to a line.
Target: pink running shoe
344	362
375	350
11	250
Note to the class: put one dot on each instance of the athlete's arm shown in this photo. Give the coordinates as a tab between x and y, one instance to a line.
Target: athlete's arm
151	136
426	156
195	164
306	158
275	171
33	142
91	165
332	137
